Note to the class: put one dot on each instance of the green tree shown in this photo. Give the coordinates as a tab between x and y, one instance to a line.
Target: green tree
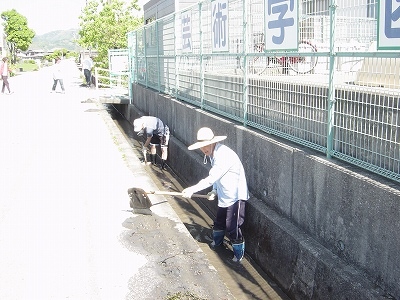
18	35
61	53
105	24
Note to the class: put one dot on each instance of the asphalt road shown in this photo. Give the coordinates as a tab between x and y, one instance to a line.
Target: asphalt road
66	229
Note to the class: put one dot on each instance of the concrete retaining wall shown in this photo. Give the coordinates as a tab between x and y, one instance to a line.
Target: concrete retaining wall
321	229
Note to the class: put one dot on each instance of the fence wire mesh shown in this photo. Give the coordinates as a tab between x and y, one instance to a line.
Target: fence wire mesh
336	93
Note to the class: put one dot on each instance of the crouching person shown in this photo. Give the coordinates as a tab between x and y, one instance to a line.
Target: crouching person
157	134
227	177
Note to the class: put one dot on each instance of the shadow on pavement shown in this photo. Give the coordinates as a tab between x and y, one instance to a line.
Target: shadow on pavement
245	280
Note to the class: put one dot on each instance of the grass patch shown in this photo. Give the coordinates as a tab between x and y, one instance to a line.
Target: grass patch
26	66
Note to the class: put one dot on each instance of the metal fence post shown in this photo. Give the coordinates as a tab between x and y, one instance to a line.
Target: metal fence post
331	86
158	58
130	56
96	73
145	57
244	51
176	59
201	59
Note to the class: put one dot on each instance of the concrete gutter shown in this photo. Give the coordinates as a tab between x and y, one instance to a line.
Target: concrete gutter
320	228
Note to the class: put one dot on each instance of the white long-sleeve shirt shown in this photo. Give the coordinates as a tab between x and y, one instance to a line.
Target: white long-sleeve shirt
227	176
57	70
87	63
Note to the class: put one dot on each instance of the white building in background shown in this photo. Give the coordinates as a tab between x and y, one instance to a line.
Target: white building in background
156	9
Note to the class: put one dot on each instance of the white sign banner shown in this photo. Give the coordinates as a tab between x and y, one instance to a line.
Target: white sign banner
119	63
220	28
281	24
186	24
388	24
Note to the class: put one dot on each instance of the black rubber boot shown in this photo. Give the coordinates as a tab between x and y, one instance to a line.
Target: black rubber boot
153	159
218	238
163	165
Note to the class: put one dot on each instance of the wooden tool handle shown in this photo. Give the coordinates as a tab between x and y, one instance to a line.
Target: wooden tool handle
174	194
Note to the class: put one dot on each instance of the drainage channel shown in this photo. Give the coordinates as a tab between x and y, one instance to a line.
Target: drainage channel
245	280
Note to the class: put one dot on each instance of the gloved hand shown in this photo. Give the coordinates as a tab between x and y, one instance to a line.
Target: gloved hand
211	195
187	193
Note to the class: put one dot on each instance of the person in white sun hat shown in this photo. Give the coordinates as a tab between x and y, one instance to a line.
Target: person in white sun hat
228	181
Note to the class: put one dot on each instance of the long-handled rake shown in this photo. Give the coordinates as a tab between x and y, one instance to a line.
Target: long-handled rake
140	200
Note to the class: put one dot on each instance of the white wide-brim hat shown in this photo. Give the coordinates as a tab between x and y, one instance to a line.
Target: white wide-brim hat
205	137
137	124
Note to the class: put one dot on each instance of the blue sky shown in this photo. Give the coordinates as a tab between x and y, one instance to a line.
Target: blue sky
45	16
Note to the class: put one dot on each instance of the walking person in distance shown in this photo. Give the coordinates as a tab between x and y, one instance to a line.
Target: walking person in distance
58	75
228	181
5	73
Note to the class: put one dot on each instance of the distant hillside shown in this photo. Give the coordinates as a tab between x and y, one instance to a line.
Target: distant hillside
64	39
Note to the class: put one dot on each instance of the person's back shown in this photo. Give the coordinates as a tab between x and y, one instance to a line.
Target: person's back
151	124
87	63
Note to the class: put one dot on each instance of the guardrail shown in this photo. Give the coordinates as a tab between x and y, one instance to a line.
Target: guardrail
113	80
111	87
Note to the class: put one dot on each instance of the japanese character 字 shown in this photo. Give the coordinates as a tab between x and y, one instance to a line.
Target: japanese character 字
277	10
